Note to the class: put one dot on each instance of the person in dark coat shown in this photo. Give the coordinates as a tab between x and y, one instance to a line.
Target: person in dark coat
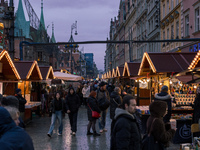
12	136
129	89
115	101
158	110
164	96
92	105
79	93
72	103
22	102
125	133
196	113
57	109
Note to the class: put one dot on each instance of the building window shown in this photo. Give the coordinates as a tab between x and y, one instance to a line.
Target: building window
167	6
172	32
197	19
163	35
177	29
187	25
128	5
163	10
177	1
172	4
39	56
168	33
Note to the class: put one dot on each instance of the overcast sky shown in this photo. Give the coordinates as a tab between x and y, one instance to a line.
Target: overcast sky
93	17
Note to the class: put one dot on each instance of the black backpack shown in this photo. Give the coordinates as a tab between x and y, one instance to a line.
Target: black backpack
103	103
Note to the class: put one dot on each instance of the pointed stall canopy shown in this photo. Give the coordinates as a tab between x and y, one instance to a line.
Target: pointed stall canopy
119	71
8	70
131	69
62	70
158	63
113	73
109	74
28	70
195	62
47	72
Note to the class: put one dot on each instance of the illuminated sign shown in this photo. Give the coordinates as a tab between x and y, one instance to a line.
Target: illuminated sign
194	48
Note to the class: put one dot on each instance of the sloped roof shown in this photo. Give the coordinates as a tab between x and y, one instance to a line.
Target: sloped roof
47	72
119	71
9	70
113	73
28	70
195	62
131	69
165	62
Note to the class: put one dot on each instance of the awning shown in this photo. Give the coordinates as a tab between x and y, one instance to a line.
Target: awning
185	78
67	77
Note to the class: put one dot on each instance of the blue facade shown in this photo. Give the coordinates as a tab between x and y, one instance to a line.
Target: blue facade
89	64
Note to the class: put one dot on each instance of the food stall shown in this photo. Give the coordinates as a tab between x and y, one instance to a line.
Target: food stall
158	72
30	74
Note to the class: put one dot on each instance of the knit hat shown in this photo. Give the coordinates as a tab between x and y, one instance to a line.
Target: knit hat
102	84
18	90
164	88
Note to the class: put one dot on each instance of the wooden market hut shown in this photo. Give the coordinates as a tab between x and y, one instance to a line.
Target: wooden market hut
30	74
9	75
47	72
113	73
159	67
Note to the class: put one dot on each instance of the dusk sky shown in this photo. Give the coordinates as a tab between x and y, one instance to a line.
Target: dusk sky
93	21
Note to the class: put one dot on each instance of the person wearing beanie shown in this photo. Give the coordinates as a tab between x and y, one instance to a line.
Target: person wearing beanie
164	96
22	102
102	93
158	109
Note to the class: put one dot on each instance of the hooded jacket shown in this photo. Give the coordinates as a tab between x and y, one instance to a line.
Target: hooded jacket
92	105
115	101
157	110
11	136
164	96
72	102
125	132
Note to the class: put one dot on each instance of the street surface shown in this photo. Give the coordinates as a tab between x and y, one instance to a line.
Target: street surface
39	127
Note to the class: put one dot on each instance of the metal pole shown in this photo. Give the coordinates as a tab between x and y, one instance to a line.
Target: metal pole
71	62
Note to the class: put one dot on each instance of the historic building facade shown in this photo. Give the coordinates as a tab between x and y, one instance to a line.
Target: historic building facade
171	24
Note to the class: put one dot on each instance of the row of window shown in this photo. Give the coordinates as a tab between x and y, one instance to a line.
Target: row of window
169	6
172	32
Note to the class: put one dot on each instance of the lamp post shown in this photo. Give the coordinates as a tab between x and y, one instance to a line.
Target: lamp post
8	21
71	46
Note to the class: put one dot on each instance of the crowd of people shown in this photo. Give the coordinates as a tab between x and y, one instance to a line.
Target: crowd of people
97	98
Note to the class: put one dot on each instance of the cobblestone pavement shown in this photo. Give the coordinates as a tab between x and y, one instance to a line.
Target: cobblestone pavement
39	127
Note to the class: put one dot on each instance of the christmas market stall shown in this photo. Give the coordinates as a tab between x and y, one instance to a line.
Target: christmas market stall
119	75
159	69
9	75
30	85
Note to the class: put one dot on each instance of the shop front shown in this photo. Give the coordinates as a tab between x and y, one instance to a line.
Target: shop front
30	86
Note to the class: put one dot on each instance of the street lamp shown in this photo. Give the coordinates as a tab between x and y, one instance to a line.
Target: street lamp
8	21
72	46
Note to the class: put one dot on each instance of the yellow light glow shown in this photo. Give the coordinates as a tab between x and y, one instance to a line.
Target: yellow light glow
5	53
126	68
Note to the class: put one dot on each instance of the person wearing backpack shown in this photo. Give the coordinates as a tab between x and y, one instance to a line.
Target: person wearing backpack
125	133
115	101
156	125
103	99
